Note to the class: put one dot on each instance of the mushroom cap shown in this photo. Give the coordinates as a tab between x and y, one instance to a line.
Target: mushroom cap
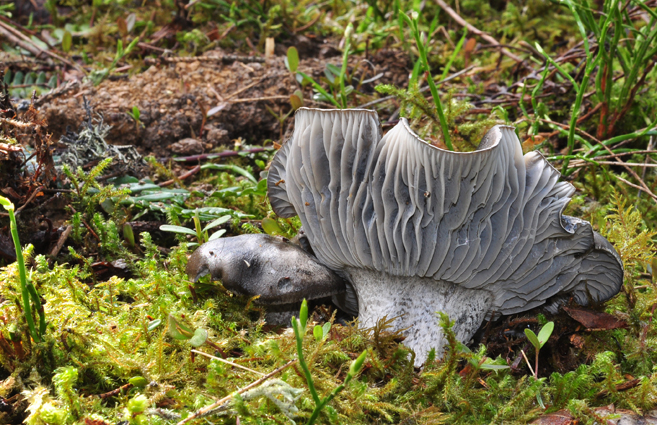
489	219
278	271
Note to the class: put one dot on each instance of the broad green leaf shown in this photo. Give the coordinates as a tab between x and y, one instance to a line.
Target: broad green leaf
494	366
217	234
271	227
177	229
233	168
217	222
326	329
545	333
199	338
292	62
531	336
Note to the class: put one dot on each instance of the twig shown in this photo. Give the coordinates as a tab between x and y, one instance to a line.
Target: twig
258	99
29	45
634	186
235	93
60	242
629	164
643	174
30	199
183	176
204	410
17	123
422	90
528	364
227	362
632	172
195	158
476	31
115	392
211	59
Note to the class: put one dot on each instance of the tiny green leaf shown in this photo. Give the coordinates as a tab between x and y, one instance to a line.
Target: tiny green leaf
217	222
179	331
199	338
326	329
177	229
318	333
296	102
271	227
138	381
545	333
357	365
531	336
292	59
154	324
128	234
303	315
67	41
216	235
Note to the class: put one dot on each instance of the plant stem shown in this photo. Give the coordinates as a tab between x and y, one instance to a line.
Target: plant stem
26	292
345	58
296	325
432	85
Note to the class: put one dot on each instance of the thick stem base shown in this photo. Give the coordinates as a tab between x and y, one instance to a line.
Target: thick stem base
415	302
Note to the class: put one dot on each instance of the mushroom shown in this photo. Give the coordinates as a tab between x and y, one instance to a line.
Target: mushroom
416	229
279	272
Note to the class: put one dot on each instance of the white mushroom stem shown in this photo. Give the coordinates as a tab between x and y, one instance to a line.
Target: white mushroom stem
415	302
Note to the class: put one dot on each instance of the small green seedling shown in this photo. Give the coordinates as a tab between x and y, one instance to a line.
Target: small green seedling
181	332
28	291
201	234
538	342
135	114
299	326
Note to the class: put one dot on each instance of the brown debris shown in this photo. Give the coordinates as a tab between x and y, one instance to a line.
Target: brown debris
594	320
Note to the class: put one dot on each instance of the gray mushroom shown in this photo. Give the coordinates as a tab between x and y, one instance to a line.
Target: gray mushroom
281	273
417	229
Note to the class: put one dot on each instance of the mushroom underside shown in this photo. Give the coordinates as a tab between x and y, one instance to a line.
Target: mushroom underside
418	229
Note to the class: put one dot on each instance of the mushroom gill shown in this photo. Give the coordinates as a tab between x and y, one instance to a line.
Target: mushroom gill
417	229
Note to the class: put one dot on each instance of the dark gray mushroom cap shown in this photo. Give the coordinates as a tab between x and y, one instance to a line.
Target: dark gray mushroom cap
490	219
278	271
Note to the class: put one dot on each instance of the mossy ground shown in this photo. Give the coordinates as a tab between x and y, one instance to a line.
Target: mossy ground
112	300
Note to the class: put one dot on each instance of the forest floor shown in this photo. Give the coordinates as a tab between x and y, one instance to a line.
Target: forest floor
120	117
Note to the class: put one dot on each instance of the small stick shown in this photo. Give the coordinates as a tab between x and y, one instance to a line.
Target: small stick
211	59
115	392
195	158
227	362
183	176
629	164
60	242
204	410
423	89
475	30
258	99
528	364
30	199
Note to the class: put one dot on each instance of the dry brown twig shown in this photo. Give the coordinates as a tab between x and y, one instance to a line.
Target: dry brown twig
451	12
213	406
